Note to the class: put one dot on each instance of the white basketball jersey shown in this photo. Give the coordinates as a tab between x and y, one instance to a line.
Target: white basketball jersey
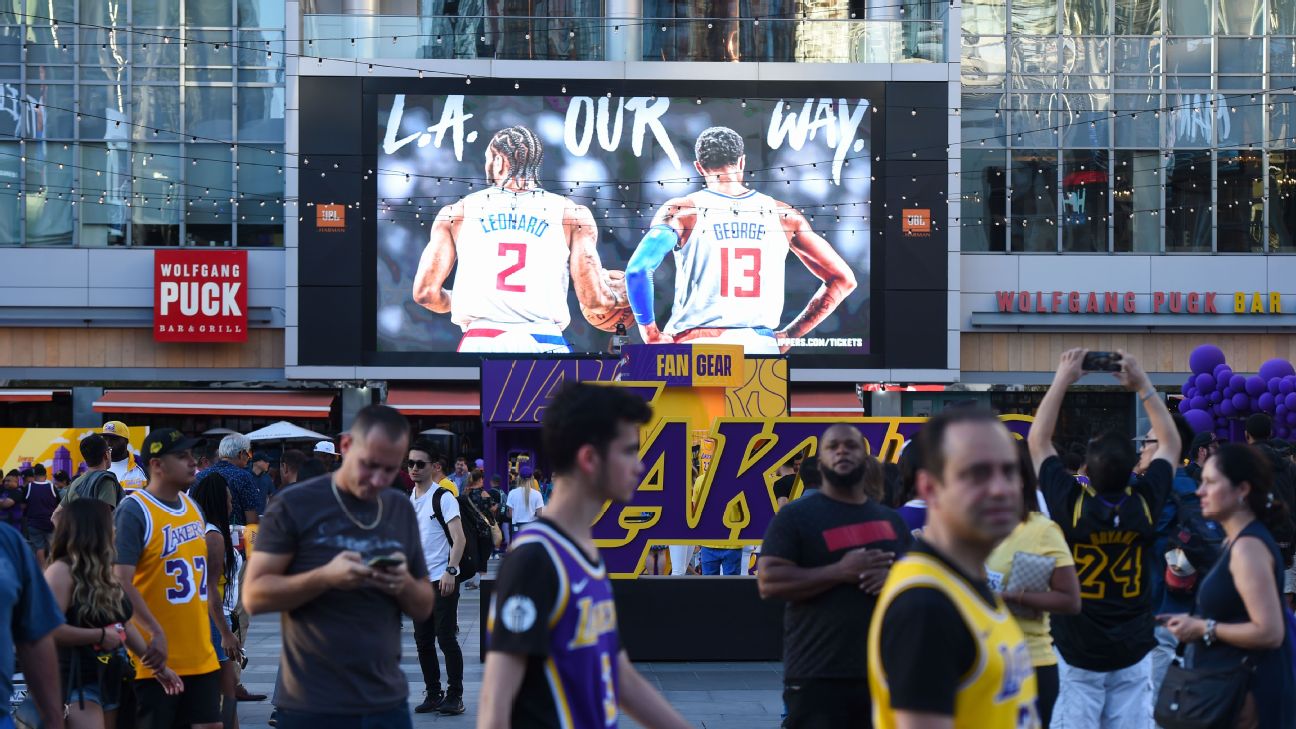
513	259
729	273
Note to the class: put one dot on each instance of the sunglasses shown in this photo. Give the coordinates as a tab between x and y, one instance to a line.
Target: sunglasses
415	464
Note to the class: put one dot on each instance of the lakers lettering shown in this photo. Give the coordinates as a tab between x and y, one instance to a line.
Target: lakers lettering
596	619
173	537
1017	668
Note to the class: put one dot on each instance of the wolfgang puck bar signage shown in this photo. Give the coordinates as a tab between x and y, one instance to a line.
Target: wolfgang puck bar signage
1127	302
200	296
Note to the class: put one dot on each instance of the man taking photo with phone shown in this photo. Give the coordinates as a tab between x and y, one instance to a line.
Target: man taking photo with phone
1110	525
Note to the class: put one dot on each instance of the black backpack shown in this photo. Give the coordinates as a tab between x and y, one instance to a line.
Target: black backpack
1200	538
473	526
1284	481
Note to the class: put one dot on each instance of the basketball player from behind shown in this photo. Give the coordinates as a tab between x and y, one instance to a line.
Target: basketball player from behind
730	244
554	660
517	247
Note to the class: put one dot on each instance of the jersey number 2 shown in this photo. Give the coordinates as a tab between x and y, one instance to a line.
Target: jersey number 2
750	275
506	250
186	579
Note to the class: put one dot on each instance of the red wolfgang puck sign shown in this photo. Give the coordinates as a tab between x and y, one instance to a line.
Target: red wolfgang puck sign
200	296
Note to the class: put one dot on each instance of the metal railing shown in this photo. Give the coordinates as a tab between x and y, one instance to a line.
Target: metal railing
623	39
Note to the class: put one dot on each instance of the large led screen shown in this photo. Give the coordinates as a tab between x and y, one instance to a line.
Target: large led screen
540	223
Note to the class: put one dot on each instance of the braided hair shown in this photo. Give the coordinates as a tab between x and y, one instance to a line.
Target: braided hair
524	152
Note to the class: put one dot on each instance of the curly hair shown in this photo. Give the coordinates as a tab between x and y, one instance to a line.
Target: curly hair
718	147
524	152
84	540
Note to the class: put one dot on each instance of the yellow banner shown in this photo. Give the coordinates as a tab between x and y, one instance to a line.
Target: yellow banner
55	447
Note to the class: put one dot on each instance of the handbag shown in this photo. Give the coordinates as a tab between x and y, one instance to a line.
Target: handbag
1201	698
1029	573
497	536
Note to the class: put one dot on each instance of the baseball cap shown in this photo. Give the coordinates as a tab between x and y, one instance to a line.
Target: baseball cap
525	470
325	446
1180	574
164	441
260	456
116	427
1201	440
479	463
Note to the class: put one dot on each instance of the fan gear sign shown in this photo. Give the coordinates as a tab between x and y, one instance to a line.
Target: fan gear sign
200	296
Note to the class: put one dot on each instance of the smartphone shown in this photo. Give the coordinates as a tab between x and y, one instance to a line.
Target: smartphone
1101	362
385	562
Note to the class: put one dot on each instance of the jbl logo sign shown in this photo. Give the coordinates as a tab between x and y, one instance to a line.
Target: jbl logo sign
915	222
330	216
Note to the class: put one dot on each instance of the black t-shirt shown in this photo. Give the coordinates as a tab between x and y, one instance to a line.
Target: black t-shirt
826	636
925	644
783	486
1111	538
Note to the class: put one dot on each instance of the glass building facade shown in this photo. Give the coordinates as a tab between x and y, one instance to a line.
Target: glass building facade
141	122
1130	126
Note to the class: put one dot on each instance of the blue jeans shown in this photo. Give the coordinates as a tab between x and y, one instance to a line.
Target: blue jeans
397	718
721	561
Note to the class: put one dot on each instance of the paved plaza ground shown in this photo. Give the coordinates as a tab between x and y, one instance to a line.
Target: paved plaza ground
710	695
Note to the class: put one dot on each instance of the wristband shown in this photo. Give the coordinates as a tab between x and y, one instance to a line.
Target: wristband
1150	394
1209	637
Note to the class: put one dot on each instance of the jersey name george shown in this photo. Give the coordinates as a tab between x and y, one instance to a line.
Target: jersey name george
512	260
580	667
171	576
1000	691
729	271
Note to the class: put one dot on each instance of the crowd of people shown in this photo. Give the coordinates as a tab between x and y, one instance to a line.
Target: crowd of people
982	581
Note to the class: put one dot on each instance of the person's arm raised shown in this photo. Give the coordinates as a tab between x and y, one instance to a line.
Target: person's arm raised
1135	380
1040	438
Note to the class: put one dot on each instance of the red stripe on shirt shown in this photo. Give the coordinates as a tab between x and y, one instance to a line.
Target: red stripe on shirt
857	535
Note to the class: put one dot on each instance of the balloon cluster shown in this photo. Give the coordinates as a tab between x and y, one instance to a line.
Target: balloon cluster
1215	395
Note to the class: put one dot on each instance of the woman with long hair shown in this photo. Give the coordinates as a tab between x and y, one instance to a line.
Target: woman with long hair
212	495
1239	612
524	499
91	659
1037	536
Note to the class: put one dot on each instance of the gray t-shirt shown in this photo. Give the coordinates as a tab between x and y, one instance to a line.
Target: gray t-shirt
130	525
341	651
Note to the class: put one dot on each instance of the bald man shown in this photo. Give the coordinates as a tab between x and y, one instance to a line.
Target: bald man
827	555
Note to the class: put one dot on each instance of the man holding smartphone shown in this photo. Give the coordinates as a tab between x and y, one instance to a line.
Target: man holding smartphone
1106	670
340	557
443	548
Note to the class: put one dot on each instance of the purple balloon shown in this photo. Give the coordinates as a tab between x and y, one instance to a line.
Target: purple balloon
1191	392
1215	397
1241	402
1205	359
1280	410
1226	409
1266	402
1200	403
1286	385
1290	401
1219	367
1237	383
1199	420
1273	385
1185	405
1282	430
1276	368
1291	418
1205	383
1255	386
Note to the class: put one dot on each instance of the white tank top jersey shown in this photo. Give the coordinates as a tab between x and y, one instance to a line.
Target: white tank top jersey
729	272
513	260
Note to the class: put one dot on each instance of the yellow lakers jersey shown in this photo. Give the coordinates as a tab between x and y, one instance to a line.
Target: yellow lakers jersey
171	575
1000	691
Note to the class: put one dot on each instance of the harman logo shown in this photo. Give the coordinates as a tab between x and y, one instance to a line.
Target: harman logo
330	217
915	222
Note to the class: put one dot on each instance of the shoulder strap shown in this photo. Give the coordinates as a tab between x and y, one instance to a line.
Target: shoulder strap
436	509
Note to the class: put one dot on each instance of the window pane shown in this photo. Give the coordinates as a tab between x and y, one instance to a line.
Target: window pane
1188	17
1034	17
45	46
1282	55
55	117
261	114
1141	83
104	54
10	186
209	112
985	189
103	112
984	125
1282	120
1241	55
1086	124
1282	17
157	169
260	13
1085	55
209	48
151	51
1136	185
102	12
1282	201
1240	214
1188	55
155	13
1188	201
1191	119
210	184
1240	17
64	11
105	190
261	188
1088	17
1137	122
49	194
983	60
157	112
1084	201
984	17
1034	121
1136	55
1034	200
209	13
1250	81
1035	54
260	49
1138	17
11	44
1241	123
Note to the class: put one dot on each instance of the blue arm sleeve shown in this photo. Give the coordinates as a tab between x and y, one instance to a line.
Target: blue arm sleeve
647	257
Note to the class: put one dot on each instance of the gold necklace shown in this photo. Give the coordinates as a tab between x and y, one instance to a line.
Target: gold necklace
354	520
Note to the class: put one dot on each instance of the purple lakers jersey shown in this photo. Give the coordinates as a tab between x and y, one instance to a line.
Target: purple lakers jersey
554	606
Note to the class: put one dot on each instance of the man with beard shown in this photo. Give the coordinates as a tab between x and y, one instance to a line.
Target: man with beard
827	555
130	475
